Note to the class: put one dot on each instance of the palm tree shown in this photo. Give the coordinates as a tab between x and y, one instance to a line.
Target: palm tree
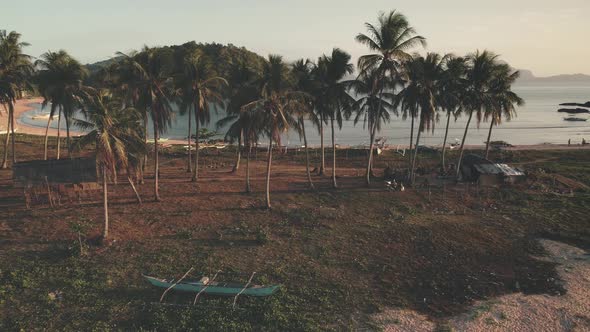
482	67
303	72
333	93
244	127
422	92
503	100
452	89
15	72
274	107
113	132
251	127
128	77
151	69
243	89
391	40
202	91
372	107
60	82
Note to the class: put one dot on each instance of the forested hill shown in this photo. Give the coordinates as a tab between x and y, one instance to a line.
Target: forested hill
220	56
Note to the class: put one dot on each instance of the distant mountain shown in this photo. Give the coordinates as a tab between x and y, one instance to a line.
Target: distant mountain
527	76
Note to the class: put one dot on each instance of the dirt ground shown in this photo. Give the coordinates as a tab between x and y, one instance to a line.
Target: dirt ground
518	312
457	256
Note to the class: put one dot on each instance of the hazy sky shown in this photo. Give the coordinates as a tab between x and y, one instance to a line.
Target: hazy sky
546	36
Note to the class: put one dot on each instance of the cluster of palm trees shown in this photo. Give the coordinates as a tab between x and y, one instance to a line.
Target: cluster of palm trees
260	102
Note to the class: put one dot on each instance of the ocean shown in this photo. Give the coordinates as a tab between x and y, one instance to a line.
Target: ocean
537	122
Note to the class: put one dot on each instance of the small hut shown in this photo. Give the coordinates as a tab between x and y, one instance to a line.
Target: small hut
477	169
63	171
72	179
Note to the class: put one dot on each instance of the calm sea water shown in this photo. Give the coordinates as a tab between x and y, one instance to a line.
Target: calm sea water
537	122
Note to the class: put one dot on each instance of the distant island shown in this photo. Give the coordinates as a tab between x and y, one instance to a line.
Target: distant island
527	77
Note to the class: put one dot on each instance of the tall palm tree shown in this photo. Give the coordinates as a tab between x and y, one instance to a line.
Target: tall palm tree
128	77
333	93
503	100
113	130
15	72
152	76
373	107
243	89
244	126
452	90
391	40
201	91
277	101
482	67
60	82
303	73
252	125
422	93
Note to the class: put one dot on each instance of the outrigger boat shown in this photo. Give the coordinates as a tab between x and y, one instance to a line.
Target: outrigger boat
214	287
210	286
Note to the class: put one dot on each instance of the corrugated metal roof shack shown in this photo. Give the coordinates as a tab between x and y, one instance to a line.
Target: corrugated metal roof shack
477	169
64	171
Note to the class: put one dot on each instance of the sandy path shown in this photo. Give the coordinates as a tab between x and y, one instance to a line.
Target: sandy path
519	312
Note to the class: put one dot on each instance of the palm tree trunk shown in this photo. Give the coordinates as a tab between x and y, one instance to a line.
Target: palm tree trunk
238	153
196	166
411	141
248	188
306	155
13	136
334	184
445	141
156	164
68	137
6	142
413	169
58	132
492	121
134	189
145	139
115	179
268	164
105	233
369	162
190	157
47	136
463	144
322	162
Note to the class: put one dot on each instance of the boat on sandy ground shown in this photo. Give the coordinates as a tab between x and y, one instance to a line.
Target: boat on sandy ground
573	111
213	287
575	119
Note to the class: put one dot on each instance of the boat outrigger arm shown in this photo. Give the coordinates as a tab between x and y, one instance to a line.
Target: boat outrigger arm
207	286
243	289
176	283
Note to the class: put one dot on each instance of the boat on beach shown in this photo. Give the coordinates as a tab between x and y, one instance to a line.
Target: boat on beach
43	116
575	119
213	287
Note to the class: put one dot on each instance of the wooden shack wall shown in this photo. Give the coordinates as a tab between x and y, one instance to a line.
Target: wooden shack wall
63	171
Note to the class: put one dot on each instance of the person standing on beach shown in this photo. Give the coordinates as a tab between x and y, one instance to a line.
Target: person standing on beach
569	142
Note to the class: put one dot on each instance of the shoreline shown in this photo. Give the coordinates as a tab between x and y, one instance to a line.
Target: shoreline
24	105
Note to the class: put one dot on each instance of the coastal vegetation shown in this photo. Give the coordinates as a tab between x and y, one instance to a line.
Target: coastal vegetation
343	247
